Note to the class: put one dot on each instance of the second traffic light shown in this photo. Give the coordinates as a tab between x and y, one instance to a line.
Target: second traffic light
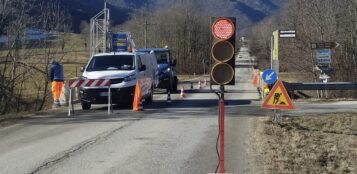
223	50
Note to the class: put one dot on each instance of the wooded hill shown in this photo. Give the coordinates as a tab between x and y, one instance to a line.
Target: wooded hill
315	21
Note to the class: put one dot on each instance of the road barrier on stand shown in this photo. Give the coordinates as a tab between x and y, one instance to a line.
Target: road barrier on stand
75	83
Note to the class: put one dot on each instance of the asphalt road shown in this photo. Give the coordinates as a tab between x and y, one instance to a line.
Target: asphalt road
176	138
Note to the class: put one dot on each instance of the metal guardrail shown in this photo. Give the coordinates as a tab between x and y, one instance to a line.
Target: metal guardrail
321	86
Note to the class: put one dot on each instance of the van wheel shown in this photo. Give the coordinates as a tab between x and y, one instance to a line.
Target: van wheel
86	105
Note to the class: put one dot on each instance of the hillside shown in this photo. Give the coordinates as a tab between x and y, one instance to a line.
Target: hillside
251	11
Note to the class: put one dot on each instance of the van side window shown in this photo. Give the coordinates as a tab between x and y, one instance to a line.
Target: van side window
139	64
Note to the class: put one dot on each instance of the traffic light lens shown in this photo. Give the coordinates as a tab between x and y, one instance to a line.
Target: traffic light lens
222	73
223	29
222	51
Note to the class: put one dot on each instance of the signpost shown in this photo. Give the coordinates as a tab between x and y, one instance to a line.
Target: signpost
269	76
275	46
278	99
323	59
275	51
326	45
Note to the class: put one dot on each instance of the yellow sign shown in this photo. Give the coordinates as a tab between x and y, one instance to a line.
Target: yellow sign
278	98
276	45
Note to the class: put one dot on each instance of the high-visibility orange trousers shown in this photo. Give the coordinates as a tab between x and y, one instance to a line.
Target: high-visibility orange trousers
56	89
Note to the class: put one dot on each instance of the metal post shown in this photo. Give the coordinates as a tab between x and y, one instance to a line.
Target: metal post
271	51
277	116
70	102
105	28
109	100
146	33
71	99
326	92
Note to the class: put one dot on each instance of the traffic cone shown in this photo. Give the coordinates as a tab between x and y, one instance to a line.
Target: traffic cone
255	81
199	84
137	103
182	95
255	78
168	101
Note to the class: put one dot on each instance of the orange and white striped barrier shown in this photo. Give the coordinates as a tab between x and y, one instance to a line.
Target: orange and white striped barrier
75	83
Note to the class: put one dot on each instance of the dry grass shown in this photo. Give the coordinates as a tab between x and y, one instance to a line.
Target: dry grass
185	77
310	144
291	77
73	55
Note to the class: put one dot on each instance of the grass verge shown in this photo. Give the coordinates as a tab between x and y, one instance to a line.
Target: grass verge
310	144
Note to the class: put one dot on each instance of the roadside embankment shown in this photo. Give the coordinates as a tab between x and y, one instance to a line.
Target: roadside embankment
310	144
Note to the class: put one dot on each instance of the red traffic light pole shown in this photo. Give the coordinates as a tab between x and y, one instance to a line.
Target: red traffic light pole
220	139
222	71
221	130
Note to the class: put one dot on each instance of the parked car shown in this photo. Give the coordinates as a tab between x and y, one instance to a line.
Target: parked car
123	69
167	75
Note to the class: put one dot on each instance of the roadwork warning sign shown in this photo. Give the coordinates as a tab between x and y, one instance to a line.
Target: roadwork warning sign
278	98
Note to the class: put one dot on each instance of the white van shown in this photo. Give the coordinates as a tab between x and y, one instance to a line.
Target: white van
123	69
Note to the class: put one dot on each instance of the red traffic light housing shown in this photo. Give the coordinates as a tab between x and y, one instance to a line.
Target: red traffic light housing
223	51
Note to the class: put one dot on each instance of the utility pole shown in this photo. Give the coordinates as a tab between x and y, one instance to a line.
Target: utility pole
105	27
146	32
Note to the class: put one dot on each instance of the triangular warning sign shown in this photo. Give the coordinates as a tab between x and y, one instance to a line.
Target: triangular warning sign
278	98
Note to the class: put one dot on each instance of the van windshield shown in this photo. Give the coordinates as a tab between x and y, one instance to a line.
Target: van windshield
113	62
162	57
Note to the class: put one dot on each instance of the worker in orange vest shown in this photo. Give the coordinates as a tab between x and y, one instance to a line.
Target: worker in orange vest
57	81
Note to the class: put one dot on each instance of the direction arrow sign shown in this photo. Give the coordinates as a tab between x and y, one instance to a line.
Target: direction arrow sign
269	76
278	98
324	45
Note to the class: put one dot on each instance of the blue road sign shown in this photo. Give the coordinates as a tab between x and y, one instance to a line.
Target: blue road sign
323	56
120	42
269	76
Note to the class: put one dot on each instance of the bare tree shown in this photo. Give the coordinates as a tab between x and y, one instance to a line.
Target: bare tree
24	63
315	21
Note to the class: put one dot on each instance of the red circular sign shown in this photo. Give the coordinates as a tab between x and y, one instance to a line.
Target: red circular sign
223	28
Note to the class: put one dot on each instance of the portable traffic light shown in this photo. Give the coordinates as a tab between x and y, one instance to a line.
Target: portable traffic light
223	49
